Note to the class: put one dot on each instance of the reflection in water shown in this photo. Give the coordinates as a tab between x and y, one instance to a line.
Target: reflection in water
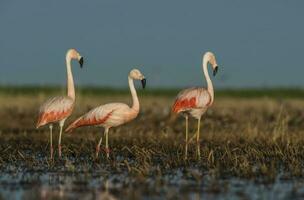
34	185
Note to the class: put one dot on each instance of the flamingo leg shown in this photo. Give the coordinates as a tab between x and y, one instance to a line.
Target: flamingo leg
51	141
197	139
186	142
98	147
107	142
61	123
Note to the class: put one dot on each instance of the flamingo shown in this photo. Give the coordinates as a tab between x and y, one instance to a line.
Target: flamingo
111	114
58	109
196	100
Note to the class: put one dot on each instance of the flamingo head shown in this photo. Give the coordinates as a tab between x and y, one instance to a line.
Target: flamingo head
73	54
210	57
137	75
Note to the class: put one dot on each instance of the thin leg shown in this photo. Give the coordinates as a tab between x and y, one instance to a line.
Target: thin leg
51	141
107	142
61	123
197	139
98	147
186	142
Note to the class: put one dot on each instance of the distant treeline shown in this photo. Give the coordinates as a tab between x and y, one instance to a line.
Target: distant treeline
95	91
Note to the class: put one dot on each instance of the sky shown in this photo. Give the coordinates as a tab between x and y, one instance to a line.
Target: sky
257	43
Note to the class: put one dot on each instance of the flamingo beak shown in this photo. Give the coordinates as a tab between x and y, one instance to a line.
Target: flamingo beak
215	70
81	62
143	82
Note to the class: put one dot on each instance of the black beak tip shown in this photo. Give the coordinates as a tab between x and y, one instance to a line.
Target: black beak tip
81	62
215	70
143	83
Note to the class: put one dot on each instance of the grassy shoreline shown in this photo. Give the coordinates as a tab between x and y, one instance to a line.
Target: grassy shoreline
241	137
167	92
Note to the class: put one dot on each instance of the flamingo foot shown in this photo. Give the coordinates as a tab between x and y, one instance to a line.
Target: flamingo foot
198	150
107	151
186	154
97	152
59	151
51	152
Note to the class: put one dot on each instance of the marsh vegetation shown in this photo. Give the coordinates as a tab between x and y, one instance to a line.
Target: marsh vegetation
252	147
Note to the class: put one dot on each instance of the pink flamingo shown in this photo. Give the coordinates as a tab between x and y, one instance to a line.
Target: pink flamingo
112	114
58	109
195	101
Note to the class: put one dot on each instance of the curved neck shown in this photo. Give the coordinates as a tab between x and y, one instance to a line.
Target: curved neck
135	105
70	81
209	82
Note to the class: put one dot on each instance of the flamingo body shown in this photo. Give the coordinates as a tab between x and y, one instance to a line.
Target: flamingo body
112	114
55	110
108	115
194	101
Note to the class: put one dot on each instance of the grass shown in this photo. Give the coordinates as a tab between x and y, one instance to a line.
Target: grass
221	156
167	92
253	138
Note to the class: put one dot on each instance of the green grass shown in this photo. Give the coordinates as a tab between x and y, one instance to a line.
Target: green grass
169	92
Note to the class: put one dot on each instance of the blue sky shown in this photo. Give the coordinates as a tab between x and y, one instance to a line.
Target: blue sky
257	43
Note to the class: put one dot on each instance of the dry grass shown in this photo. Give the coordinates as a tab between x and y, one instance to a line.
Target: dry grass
249	138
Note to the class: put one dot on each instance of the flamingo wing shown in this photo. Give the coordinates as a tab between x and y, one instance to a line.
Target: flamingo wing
55	109
191	98
98	115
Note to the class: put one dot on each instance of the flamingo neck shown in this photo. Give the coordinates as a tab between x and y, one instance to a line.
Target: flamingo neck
209	82
135	105
70	81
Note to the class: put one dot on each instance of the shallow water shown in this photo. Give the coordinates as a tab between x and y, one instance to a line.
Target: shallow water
175	185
